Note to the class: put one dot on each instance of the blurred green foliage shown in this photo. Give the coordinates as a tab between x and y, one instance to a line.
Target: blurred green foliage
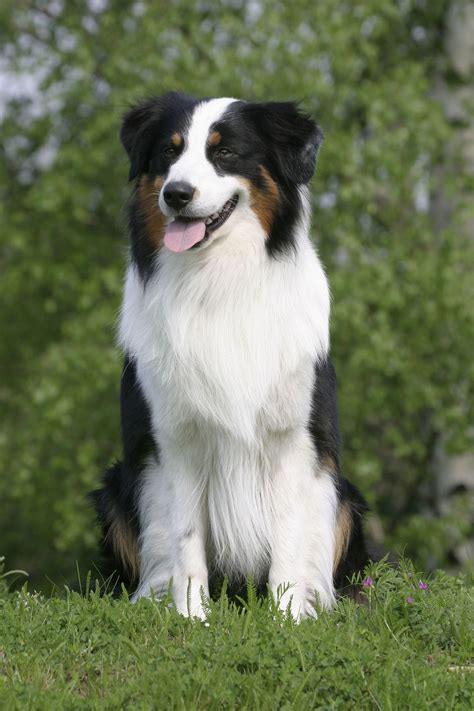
402	323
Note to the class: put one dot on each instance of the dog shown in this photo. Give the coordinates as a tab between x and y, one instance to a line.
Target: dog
228	397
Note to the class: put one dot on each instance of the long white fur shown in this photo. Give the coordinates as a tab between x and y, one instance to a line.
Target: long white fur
225	341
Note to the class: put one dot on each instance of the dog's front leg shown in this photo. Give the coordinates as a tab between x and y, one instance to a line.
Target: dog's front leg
305	502
173	533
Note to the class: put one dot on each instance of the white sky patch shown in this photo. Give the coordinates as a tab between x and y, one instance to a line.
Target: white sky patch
16	86
90	24
421	189
327	200
422	196
97	6
138	9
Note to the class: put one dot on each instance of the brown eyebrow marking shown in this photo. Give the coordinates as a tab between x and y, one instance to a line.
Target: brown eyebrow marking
176	139
214	139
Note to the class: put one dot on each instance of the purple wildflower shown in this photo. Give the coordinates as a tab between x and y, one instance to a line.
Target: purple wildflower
368	582
410	600
422	585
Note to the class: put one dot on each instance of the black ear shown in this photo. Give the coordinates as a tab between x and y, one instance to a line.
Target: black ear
142	124
294	135
136	134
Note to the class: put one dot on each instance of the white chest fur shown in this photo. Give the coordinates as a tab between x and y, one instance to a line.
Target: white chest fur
227	337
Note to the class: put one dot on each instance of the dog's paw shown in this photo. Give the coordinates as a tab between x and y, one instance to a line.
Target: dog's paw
194	613
303	601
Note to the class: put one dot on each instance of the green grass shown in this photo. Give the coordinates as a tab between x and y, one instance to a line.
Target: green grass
92	652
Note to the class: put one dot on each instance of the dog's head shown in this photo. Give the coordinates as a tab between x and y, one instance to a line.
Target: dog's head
204	165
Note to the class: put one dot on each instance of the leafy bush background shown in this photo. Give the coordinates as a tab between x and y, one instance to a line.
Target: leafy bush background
402	322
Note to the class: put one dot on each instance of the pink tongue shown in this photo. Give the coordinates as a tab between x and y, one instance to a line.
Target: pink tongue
181	235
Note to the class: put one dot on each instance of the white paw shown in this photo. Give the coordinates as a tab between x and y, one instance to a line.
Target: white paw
297	606
149	591
302	601
189	599
196	612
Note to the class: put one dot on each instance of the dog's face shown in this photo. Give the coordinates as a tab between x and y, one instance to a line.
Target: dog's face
204	166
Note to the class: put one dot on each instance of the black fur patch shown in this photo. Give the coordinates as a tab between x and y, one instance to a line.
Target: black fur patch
324	429
324	418
117	498
147	131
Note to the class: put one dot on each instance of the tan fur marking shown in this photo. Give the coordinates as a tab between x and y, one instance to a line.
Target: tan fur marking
214	139
176	139
125	546
265	202
327	462
148	193
343	534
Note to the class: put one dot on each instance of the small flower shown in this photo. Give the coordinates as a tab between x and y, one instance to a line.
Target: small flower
410	600
422	585
368	582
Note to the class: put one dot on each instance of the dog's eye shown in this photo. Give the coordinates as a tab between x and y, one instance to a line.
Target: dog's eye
224	153
169	151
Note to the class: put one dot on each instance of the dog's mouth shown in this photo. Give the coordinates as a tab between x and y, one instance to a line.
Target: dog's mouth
186	232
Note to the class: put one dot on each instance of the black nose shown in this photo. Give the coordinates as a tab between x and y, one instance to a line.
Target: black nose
178	194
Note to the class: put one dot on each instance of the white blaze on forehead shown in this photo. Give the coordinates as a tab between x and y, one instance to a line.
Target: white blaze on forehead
205	115
193	159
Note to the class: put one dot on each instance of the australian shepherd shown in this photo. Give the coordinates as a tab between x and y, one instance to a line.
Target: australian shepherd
229	420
